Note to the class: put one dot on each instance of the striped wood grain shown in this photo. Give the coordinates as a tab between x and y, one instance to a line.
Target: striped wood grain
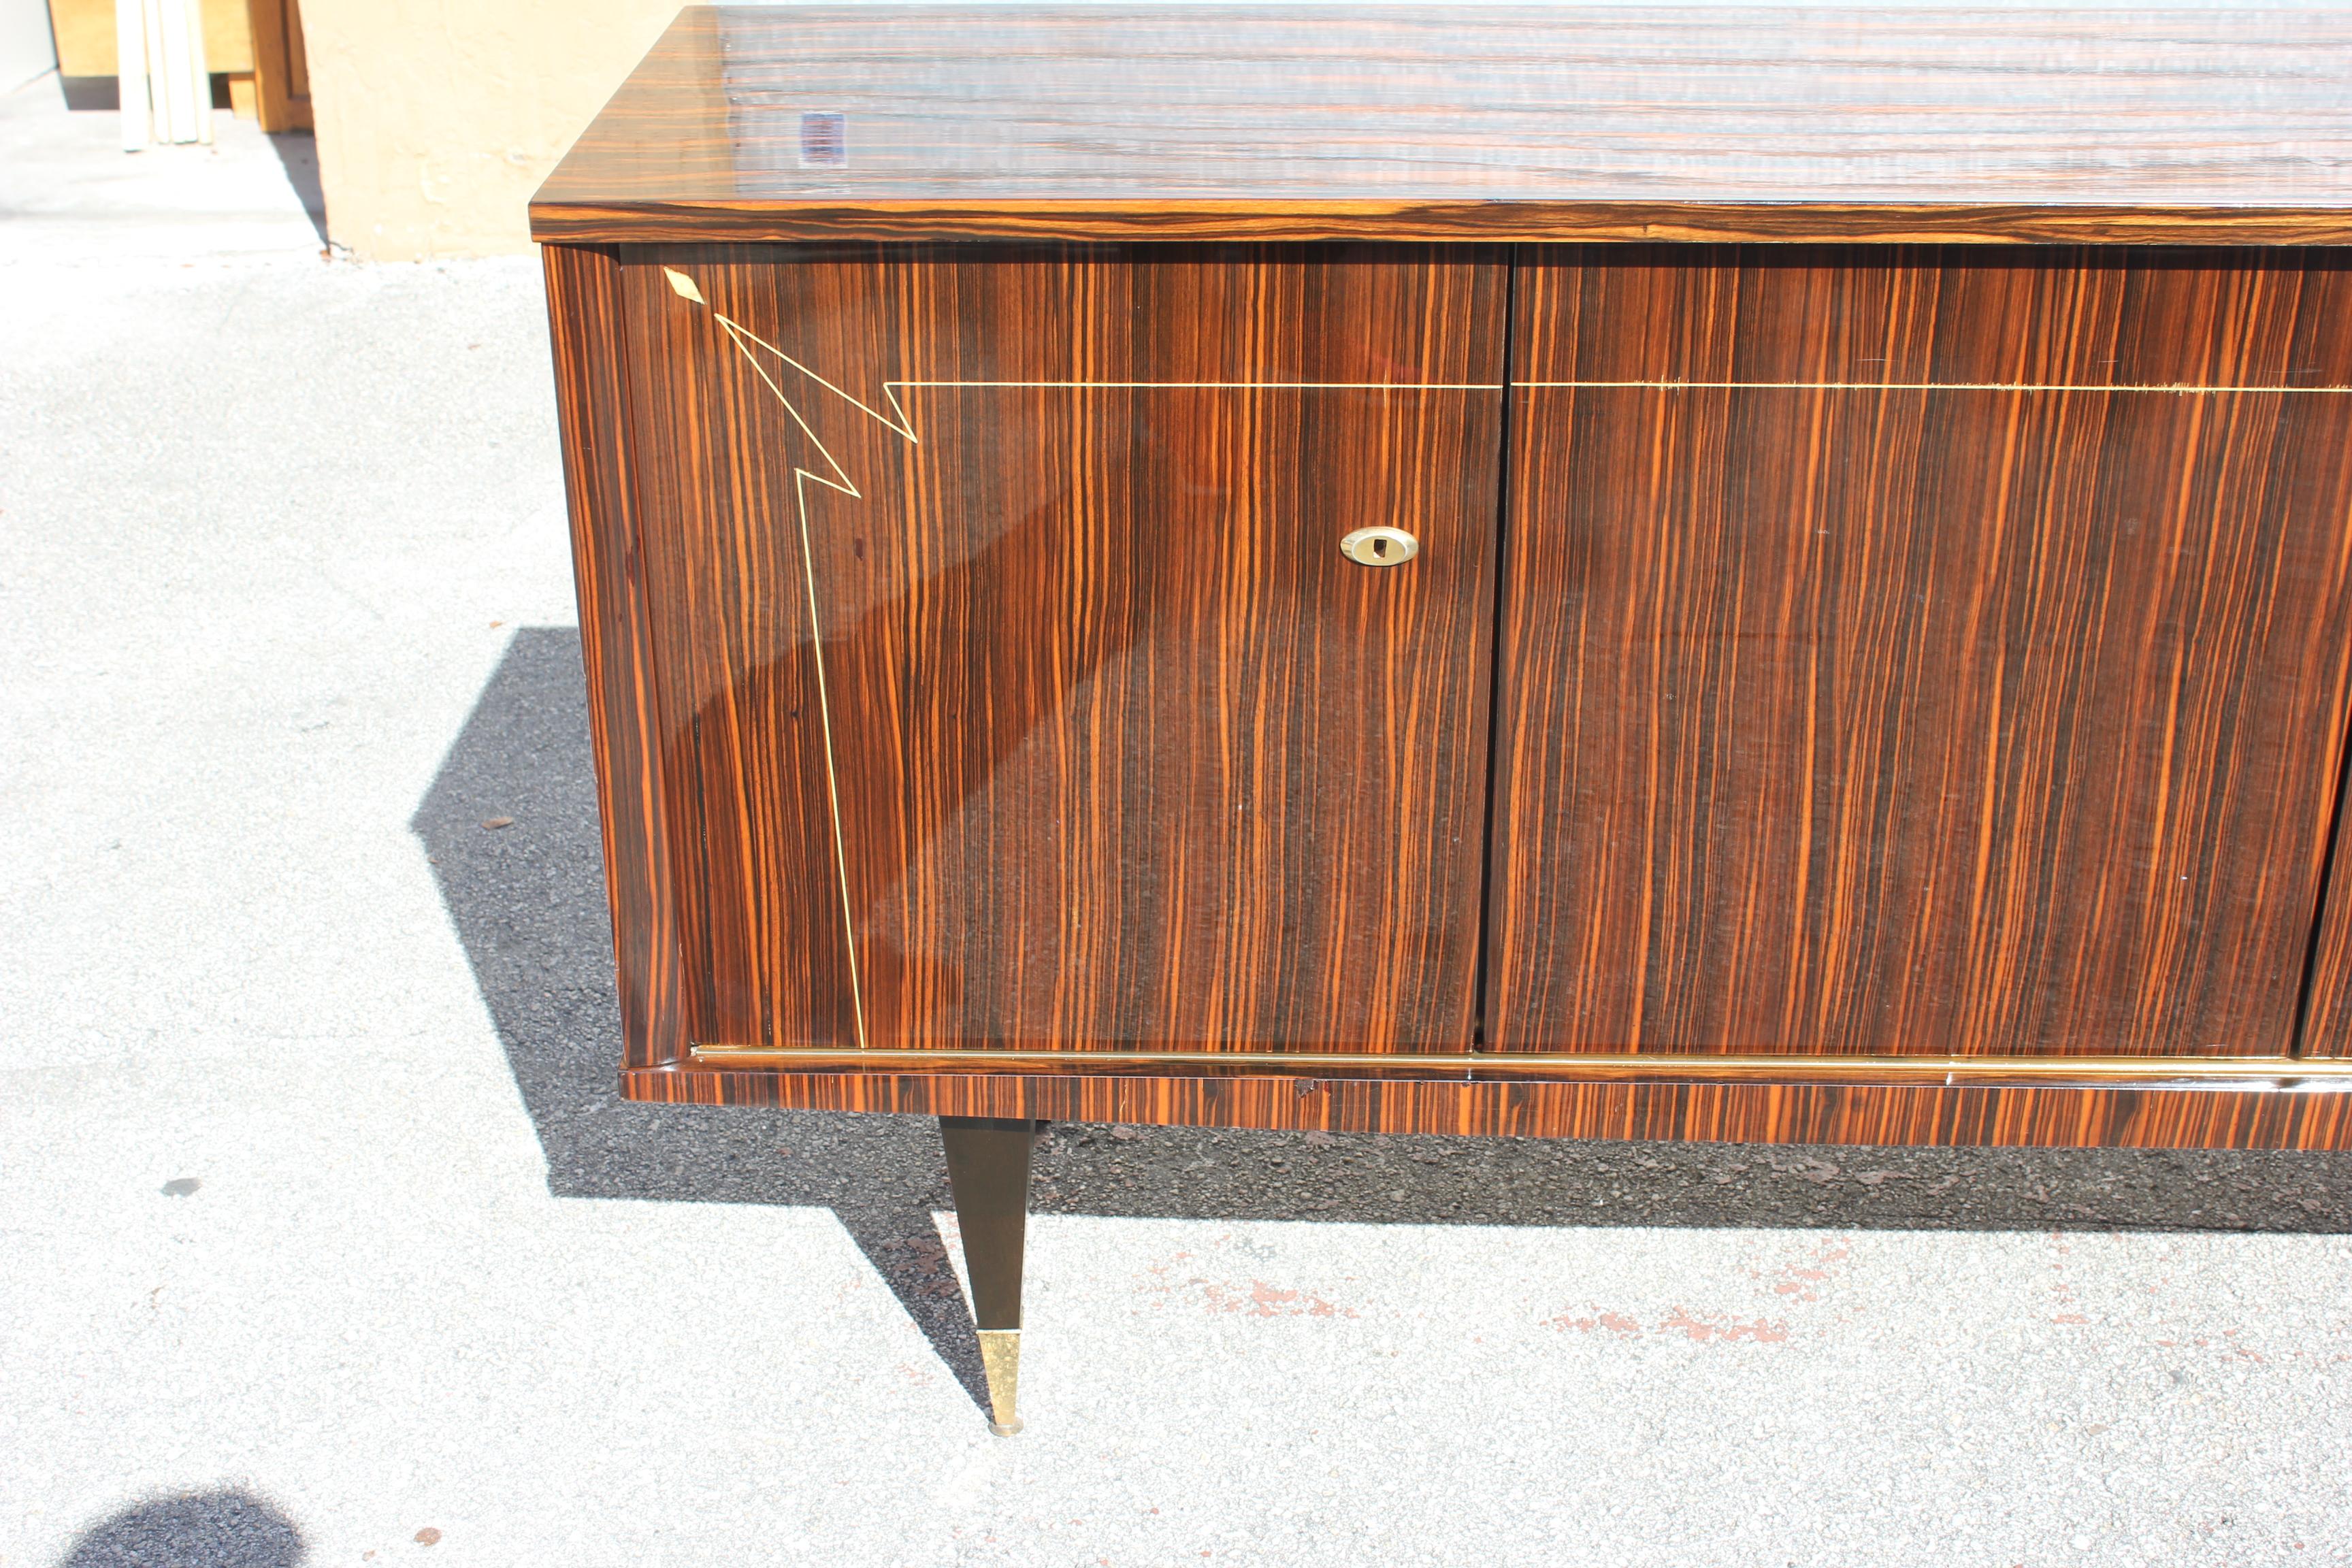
1124	749
1850	718
2148	1119
1475	124
591	400
2328	1003
2082	320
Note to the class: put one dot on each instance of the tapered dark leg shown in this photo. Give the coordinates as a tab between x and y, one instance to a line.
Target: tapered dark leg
988	1167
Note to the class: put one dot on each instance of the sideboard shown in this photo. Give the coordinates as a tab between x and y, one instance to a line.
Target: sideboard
1589	573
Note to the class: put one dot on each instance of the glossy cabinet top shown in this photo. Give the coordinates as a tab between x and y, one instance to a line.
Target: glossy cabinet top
1454	122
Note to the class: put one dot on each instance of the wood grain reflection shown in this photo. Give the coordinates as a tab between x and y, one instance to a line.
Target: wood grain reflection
1085	646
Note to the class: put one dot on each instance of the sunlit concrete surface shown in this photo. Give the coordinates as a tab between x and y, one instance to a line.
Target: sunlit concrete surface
68	191
324	1240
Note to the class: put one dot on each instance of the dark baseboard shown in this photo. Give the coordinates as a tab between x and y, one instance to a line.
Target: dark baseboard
104	93
90	92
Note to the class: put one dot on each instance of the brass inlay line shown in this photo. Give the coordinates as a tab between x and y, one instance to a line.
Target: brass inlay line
1570	1065
900	422
686	289
1237	386
1597	1066
2180	388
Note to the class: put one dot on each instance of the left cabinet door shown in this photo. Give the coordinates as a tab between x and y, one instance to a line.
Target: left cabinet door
1013	686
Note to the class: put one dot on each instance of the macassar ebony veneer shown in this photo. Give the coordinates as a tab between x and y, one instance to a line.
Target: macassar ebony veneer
1410	571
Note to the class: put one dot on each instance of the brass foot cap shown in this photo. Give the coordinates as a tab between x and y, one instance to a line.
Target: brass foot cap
1000	1358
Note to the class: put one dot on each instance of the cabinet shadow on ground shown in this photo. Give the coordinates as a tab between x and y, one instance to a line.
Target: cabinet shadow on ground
527	901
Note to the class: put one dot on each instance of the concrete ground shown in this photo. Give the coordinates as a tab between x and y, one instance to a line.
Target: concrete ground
324	1240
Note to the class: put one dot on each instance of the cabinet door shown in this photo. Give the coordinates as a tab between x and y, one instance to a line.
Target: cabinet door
1918	653
1015	687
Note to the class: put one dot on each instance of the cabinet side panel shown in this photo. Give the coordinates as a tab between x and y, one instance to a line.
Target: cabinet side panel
584	318
1992	707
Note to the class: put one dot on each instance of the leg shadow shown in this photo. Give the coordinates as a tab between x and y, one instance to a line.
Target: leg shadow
193	1530
528	899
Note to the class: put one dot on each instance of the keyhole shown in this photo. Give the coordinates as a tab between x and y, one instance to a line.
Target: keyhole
1381	546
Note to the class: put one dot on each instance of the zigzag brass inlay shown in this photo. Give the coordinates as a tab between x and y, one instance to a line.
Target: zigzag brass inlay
900	424
686	289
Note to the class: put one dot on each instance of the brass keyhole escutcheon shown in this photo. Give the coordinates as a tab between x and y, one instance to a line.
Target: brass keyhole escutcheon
1381	546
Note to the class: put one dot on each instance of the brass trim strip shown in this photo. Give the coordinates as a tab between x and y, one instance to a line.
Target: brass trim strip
1223	386
1597	1067
1568	1066
2177	387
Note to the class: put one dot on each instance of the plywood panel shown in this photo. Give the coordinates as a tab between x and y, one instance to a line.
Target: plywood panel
84	30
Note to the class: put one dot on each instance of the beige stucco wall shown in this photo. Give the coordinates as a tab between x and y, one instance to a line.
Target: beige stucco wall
436	119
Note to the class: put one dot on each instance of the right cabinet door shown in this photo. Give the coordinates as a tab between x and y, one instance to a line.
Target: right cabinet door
1910	652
